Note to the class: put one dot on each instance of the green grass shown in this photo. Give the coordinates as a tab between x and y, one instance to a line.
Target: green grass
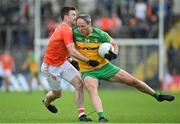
120	106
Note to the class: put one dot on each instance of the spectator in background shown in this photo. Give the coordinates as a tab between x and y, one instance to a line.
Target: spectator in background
151	21
31	68
143	28
25	9
2	19
151	17
167	12
8	68
140	14
140	10
110	24
171	59
104	23
51	25
23	33
108	4
1	71
133	27
116	25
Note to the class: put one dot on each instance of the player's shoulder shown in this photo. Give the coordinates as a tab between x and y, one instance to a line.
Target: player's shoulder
99	31
95	29
65	26
75	30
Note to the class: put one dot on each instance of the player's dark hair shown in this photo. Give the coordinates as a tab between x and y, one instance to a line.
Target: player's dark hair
85	17
65	11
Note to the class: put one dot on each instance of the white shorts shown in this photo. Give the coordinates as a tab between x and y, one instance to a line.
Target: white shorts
54	74
5	73
1	69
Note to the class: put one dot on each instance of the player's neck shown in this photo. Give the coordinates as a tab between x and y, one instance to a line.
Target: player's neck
66	23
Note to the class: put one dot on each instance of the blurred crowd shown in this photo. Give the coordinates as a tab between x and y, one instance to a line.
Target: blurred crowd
15	24
120	18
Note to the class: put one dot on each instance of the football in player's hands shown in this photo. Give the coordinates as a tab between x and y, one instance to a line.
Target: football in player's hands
105	48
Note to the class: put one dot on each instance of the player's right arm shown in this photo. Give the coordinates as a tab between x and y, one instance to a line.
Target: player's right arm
75	53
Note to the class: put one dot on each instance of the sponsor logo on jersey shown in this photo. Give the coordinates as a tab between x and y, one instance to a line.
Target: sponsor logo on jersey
87	48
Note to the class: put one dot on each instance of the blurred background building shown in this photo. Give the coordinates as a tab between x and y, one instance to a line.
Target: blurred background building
147	32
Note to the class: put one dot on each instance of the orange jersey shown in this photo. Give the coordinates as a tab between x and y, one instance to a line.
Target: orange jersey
56	52
7	61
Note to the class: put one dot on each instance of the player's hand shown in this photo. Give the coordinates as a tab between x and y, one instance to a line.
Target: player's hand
75	64
93	63
110	56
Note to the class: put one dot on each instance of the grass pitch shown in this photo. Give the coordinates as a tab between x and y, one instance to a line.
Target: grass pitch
120	106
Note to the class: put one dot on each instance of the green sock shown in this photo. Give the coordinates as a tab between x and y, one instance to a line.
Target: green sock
156	95
101	114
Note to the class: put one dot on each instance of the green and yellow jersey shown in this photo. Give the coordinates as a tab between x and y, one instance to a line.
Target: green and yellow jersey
88	46
32	64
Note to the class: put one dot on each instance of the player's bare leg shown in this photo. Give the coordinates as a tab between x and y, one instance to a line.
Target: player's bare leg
124	77
30	79
6	83
76	82
79	95
92	87
50	97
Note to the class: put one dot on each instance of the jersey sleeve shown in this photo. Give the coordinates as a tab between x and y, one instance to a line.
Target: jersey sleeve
67	36
105	37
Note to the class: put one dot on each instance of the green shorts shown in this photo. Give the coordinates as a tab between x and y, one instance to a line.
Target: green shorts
102	73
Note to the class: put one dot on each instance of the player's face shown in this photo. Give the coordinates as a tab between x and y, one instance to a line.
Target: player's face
72	17
83	26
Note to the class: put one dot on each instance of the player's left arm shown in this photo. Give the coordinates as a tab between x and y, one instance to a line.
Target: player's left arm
111	55
115	45
107	38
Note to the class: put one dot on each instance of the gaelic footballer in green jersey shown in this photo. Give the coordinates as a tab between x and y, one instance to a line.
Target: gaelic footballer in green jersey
88	46
87	40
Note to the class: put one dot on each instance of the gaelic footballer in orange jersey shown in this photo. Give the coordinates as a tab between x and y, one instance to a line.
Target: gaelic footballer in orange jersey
56	66
57	52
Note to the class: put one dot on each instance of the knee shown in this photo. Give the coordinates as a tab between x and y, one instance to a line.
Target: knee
77	82
91	89
57	94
